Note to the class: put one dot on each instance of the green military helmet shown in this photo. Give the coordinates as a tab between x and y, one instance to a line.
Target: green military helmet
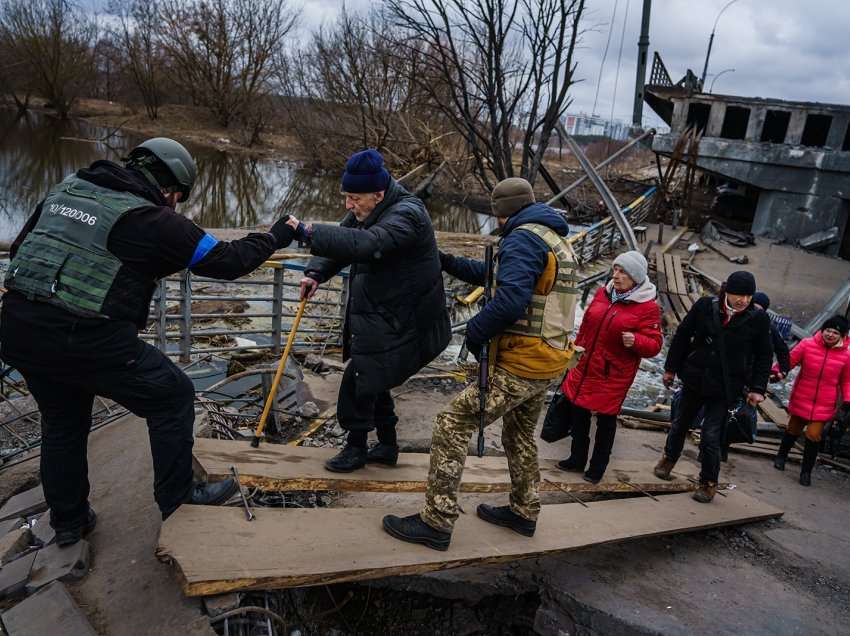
175	157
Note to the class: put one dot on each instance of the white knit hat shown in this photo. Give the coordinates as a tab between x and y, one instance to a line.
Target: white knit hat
634	264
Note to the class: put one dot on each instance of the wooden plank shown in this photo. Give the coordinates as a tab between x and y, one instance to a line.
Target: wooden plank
681	285
773	412
669	270
216	550
673	240
280	467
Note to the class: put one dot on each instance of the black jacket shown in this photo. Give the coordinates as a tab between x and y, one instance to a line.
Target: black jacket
396	317
693	352
153	242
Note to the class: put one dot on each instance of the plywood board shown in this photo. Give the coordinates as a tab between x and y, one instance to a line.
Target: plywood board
775	413
216	550
282	467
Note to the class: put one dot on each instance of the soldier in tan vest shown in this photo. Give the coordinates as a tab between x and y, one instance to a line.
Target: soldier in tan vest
528	323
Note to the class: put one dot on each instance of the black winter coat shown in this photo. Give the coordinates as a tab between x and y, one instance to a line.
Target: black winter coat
749	352
396	318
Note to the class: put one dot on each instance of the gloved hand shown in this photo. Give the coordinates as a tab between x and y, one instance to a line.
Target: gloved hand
282	232
303	233
474	348
444	258
308	287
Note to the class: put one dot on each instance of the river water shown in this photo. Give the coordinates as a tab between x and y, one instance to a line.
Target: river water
37	151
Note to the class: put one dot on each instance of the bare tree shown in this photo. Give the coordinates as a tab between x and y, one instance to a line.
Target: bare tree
54	39
499	70
136	33
224	50
350	74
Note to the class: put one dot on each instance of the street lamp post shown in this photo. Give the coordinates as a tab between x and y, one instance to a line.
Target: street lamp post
714	79
711	40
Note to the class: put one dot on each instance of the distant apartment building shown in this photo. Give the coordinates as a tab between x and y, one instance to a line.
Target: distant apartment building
582	124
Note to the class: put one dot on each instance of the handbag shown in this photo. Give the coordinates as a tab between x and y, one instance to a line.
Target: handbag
557	424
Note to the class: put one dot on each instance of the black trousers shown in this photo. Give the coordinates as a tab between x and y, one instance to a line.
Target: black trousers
606	429
359	414
150	386
711	434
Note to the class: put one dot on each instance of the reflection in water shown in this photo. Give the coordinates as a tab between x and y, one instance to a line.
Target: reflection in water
37	151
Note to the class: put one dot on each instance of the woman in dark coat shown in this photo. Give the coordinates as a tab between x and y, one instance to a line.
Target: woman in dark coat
621	326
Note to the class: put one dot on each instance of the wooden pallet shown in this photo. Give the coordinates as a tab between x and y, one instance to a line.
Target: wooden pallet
676	299
216	550
282	468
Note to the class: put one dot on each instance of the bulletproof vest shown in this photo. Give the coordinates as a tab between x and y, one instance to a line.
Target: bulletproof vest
551	316
64	259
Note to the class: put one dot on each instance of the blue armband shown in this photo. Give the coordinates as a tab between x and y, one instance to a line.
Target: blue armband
204	246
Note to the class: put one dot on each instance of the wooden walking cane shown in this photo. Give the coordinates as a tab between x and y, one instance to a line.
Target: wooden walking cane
280	367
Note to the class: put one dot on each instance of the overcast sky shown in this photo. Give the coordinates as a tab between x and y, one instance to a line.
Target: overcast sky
787	49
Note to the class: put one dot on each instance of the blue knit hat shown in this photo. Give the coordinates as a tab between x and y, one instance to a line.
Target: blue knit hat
365	172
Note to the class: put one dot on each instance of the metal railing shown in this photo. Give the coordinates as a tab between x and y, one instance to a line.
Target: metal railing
173	327
604	236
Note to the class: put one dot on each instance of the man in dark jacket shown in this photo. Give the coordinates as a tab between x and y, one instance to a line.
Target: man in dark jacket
780	347
729	324
396	318
80	283
528	323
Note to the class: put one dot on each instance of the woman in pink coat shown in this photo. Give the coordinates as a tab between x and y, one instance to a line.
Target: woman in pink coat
824	361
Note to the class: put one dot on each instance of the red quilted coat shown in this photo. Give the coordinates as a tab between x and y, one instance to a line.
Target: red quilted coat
603	376
823	371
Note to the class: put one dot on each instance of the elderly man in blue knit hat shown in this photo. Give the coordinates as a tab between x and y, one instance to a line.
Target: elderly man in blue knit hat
396	320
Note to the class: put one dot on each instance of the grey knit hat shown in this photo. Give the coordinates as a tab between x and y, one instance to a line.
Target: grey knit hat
634	265
510	196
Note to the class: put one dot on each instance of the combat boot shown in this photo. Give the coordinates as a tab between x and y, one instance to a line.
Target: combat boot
664	467
706	491
386	454
347	460
413	530
784	448
507	518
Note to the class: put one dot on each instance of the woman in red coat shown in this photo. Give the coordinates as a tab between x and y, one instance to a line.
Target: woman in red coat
621	326
823	382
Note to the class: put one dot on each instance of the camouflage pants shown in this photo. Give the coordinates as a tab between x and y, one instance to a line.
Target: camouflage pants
518	401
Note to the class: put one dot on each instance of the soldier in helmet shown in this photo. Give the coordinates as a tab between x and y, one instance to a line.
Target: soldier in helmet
529	320
82	274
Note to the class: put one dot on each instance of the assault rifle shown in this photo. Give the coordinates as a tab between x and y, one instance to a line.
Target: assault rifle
484	359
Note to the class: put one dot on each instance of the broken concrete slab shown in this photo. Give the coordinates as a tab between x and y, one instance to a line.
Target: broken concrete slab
13	544
54	563
50	609
221	603
42	532
15	575
11	524
30	502
312	546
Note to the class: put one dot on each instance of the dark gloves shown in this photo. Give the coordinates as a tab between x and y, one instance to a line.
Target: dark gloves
282	232
304	233
475	348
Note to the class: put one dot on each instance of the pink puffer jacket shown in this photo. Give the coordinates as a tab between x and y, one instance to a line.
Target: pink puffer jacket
823	371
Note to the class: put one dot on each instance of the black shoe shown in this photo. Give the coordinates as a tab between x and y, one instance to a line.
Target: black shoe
383	454
413	530
571	465
212	494
69	536
779	462
347	460
592	478
805	479
507	518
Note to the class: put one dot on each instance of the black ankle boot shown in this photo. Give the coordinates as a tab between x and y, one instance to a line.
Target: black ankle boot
382	454
347	460
785	447
810	455
70	536
572	464
507	518
413	530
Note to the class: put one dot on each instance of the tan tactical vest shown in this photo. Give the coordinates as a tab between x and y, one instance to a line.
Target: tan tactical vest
551	316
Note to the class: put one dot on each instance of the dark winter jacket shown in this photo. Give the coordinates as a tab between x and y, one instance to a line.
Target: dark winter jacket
152	241
605	373
526	266
396	317
693	354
